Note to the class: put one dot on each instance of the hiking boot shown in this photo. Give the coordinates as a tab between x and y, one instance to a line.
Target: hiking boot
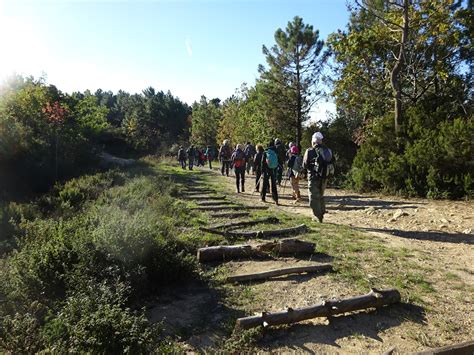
243	189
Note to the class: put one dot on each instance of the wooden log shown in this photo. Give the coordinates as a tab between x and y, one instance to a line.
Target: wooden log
219	208
217	228
199	189
224	252
204	197
287	246
279	272
269	233
230	214
465	348
374	299
215	203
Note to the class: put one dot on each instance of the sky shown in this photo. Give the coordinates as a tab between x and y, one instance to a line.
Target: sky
190	47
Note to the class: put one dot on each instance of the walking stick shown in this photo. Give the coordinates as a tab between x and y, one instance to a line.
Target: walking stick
257	183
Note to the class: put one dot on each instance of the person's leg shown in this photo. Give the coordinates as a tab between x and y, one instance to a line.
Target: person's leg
242	179
210	164
257	180
297	188
274	186
323	201
227	167
315	197
190	164
237	176
263	191
222	167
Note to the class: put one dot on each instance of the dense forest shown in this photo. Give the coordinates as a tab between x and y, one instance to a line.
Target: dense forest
400	75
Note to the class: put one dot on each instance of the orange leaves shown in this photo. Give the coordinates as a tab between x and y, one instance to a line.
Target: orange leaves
55	112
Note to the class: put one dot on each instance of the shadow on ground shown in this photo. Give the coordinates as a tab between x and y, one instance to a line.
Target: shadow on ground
429	235
368	324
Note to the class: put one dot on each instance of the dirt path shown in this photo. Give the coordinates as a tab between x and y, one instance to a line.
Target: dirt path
434	236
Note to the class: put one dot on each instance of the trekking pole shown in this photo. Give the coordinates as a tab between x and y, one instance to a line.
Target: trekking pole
257	183
284	185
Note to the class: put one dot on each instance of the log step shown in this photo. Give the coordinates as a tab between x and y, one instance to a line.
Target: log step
219	208
279	272
204	197
374	299
302	228
230	214
219	229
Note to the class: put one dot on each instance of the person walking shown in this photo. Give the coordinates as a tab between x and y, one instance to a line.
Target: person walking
317	161
269	165
238	162
225	153
182	157
250	154
281	154
209	155
294	168
190	152
257	166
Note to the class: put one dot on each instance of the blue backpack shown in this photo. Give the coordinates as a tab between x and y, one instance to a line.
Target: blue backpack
272	159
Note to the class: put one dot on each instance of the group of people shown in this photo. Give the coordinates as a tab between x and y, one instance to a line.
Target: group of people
268	165
195	156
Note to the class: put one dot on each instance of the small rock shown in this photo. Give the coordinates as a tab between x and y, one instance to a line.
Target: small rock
399	213
444	221
370	210
391	220
443	226
467	231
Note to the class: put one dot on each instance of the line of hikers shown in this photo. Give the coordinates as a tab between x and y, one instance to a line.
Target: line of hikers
196	156
268	164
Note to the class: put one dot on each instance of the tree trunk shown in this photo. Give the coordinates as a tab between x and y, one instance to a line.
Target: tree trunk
224	252
287	246
279	272
395	73
227	252
202	197
219	208
270	233
374	299
230	214
248	223
465	348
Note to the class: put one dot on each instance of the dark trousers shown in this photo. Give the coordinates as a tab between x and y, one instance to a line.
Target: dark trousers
191	163
267	176
258	176
240	176
183	163
225	167
279	173
210	163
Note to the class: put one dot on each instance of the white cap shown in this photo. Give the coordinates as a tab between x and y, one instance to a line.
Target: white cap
317	138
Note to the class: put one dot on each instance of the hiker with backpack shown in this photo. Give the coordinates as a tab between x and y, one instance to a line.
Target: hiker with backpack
250	154
182	157
238	162
190	153
225	153
209	155
269	165
257	166
281	154
295	164
319	163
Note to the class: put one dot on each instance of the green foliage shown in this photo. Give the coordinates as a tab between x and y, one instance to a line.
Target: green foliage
205	120
84	271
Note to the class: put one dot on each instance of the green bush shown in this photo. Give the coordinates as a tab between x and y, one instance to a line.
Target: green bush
436	159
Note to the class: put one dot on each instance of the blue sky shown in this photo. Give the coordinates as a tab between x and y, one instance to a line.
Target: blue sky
192	48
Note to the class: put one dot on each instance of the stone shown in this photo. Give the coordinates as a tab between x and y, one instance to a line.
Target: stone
467	231
399	213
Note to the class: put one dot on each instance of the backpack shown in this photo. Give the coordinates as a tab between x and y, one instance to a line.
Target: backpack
272	159
323	162
239	159
297	165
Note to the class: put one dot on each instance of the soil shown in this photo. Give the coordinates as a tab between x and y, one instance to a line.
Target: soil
440	236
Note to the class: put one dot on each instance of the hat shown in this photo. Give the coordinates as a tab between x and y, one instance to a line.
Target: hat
294	150
317	138
291	144
277	140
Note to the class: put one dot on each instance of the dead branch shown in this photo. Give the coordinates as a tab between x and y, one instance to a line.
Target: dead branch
279	272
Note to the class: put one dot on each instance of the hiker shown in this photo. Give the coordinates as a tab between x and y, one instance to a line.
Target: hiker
182	157
288	152
257	167
294	167
318	161
250	154
269	165
281	154
209	155
190	152
225	154
238	162
201	157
